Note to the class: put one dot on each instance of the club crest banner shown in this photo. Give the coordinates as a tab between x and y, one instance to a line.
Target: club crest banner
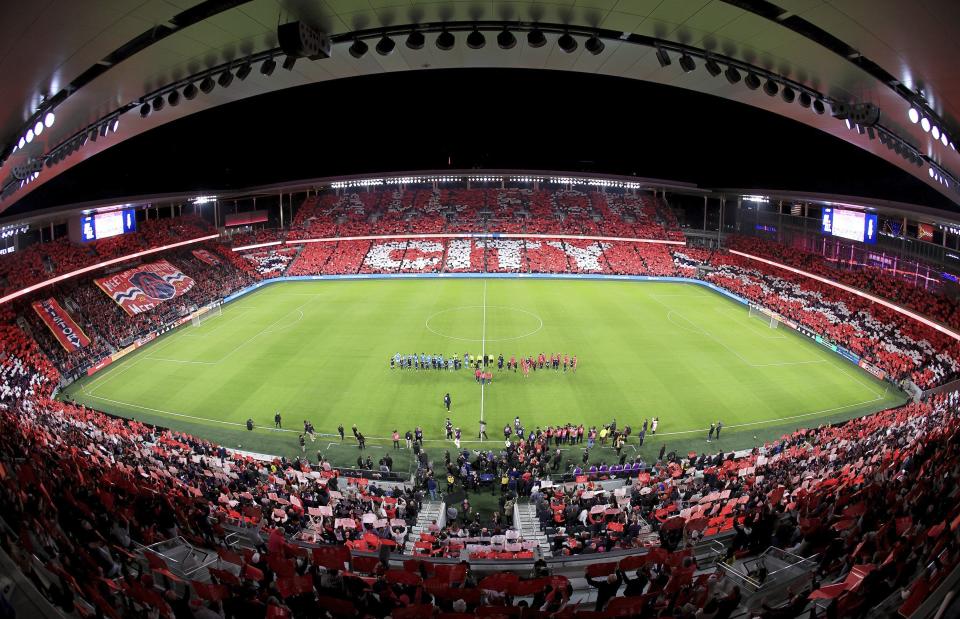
63	327
204	256
142	288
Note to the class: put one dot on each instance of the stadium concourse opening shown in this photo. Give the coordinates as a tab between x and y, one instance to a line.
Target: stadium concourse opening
373	384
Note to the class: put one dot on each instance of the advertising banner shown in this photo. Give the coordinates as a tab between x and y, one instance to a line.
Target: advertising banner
63	327
142	288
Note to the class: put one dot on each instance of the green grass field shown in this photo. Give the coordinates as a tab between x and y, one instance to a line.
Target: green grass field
320	351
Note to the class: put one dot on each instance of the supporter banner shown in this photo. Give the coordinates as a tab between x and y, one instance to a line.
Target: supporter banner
925	232
144	287
204	256
70	336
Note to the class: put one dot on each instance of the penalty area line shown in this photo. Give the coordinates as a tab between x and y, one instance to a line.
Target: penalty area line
775	420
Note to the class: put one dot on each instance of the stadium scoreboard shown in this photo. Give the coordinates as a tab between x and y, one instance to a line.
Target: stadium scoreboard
853	225
102	225
8	237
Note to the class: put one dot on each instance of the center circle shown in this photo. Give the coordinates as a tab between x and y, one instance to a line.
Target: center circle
479	323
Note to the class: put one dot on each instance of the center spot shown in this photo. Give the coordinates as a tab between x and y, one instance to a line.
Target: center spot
466	323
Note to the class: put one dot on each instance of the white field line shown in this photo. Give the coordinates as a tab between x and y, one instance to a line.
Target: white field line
483	342
243	312
181	361
109	374
173	414
426	323
776	419
697	329
264	331
861	383
115	370
760	331
471	442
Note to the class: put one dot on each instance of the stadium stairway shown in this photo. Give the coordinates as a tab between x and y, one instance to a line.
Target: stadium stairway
526	522
429	511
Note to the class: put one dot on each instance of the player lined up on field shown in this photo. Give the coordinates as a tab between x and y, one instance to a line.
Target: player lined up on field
526	364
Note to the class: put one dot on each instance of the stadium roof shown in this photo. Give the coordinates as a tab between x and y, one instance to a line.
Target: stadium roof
94	62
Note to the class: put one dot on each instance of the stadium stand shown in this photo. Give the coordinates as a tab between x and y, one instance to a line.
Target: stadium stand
901	291
90	498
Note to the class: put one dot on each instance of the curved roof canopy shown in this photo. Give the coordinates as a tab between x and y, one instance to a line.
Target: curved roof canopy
106	69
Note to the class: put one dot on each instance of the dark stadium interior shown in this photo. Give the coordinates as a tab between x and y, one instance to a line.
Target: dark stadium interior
233	231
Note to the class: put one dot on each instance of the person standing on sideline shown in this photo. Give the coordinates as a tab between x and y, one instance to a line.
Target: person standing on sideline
713	429
340	431
447	401
409	437
361	440
276	420
449	427
719	427
396	439
456	438
483	430
303	444
663	449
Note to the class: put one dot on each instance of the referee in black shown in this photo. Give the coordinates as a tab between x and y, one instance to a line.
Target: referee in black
447	401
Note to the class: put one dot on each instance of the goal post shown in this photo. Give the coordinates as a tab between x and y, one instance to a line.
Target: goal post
206	312
758	311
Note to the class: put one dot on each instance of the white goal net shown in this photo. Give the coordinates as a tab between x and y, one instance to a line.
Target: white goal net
206	313
765	315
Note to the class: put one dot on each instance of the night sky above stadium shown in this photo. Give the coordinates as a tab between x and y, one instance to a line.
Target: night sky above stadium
480	118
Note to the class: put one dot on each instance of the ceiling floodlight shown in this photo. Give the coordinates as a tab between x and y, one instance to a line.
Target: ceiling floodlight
567	43
476	40
506	40
536	38
415	40
358	49
446	40
385	46
594	45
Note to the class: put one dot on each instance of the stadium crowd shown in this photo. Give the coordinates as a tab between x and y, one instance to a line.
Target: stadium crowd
874	499
85	491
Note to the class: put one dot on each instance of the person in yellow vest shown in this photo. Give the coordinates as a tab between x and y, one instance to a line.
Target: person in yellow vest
603	436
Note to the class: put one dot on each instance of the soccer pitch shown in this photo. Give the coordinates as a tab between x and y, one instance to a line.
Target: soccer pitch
320	351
